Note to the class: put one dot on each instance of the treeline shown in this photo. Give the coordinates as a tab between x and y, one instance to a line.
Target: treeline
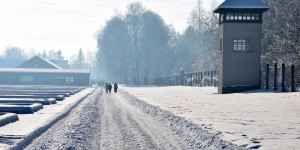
139	46
14	53
281	35
80	60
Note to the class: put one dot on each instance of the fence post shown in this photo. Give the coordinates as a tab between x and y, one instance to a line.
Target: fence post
267	76
215	75
211	78
191	76
275	77
186	79
181	77
196	83
283	77
197	78
201	78
293	78
193	79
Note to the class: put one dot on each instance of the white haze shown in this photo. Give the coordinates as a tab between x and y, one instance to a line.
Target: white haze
37	25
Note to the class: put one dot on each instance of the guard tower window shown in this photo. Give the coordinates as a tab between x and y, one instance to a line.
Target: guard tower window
238	16
255	16
241	45
247	16
241	16
230	16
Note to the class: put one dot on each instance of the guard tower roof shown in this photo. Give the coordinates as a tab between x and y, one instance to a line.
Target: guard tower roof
242	4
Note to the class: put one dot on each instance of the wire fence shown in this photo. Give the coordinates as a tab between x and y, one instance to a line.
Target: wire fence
285	78
202	78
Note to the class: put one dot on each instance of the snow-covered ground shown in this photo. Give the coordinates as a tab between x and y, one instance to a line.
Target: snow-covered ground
258	119
106	121
16	135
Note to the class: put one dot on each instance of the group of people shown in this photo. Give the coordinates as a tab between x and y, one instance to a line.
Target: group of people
108	87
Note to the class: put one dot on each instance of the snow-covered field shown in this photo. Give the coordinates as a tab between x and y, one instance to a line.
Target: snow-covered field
258	119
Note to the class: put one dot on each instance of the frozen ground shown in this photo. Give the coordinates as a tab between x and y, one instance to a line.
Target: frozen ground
256	119
16	135
109	121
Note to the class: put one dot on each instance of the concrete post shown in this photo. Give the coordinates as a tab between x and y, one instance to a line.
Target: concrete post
275	77
181	77
267	76
211	78
282	78
293	78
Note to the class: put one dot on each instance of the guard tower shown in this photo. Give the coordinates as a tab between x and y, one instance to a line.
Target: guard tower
240	27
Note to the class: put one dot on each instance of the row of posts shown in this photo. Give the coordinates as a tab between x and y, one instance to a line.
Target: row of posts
205	78
283	77
209	78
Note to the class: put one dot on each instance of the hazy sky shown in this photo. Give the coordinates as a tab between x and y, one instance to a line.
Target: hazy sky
72	24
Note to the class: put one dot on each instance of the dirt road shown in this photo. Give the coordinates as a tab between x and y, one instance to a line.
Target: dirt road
108	121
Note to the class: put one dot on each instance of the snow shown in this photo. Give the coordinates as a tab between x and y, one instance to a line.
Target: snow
18	134
27	101
6	118
21	108
40	70
108	121
256	119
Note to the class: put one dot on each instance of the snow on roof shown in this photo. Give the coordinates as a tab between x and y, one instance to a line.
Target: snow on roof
61	63
38	62
242	4
10	63
39	70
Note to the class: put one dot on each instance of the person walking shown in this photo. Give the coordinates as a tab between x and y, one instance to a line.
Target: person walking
106	87
115	87
109	88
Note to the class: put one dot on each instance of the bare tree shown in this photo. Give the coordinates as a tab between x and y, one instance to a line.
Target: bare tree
133	19
14	53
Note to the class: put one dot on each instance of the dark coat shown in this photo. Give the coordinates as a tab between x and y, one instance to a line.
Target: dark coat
116	87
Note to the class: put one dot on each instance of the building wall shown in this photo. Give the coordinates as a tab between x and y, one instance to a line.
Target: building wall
64	79
240	68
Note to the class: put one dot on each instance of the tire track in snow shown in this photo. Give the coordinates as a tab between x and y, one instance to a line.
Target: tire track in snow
108	121
134	129
79	130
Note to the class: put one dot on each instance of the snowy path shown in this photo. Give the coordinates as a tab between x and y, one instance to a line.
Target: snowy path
108	121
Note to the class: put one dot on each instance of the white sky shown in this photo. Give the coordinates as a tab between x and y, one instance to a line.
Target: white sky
72	24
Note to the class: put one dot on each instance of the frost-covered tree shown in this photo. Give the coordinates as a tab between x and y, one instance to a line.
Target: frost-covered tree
196	48
114	55
53	55
79	60
281	32
134	24
44	55
14	53
140	47
90	58
59	55
155	54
